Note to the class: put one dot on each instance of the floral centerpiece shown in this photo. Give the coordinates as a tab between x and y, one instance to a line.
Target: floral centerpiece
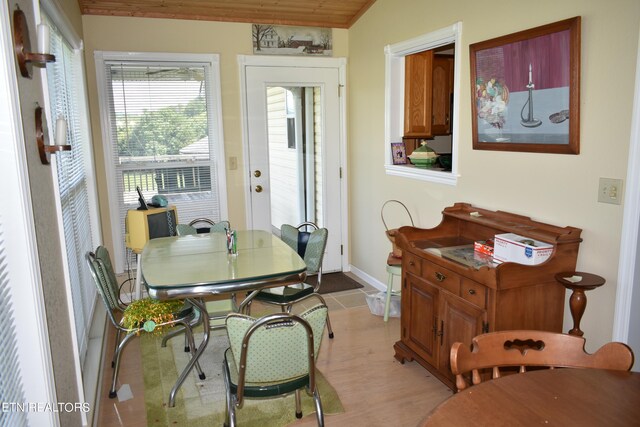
492	97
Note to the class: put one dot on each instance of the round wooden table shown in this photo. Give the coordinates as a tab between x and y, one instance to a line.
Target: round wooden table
558	397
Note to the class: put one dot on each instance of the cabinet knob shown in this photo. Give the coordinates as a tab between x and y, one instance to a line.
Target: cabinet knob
411	263
472	291
440	277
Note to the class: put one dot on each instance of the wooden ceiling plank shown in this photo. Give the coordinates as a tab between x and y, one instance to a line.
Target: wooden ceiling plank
327	13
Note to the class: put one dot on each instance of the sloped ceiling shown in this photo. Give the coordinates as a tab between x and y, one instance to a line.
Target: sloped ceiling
314	13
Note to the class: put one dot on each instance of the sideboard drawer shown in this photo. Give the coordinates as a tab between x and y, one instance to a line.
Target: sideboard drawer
473	292
413	264
439	276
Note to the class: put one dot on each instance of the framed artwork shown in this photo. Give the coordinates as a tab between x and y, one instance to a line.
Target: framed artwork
398	153
288	40
525	90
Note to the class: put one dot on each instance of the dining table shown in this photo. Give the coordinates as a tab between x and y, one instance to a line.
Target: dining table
198	266
548	397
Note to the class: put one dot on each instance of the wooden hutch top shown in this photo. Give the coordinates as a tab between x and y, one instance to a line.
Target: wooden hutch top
463	224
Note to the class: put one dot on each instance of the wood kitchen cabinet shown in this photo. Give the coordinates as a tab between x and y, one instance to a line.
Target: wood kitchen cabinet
428	93
451	294
418	94
442	92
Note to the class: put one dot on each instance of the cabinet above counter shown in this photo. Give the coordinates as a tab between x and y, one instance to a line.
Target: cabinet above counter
428	93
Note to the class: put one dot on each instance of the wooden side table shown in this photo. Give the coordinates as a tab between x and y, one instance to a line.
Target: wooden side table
578	282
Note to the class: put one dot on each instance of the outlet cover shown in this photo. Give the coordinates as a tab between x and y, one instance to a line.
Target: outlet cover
610	191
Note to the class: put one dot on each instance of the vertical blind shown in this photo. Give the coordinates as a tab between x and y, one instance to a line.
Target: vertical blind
11	390
163	136
64	78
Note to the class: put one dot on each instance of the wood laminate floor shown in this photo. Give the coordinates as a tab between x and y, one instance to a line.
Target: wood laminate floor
375	389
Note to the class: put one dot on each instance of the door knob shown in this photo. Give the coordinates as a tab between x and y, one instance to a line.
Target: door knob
258	188
257	174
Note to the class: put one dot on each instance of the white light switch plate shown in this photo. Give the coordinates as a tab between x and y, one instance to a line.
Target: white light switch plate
610	191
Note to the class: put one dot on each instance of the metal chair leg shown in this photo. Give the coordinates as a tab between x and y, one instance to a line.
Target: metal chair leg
116	368
230	407
298	405
188	336
196	320
329	329
318	403
177	330
115	348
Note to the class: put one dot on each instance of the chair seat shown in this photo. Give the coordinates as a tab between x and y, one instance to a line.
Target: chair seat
260	389
285	294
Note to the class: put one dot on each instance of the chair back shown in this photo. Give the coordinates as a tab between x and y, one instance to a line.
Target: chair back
195	227
220	227
522	348
185	230
310	245
105	280
276	348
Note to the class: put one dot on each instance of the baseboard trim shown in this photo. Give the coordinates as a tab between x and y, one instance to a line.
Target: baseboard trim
368	278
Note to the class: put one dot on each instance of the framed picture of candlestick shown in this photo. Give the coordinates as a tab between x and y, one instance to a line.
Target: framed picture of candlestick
525	90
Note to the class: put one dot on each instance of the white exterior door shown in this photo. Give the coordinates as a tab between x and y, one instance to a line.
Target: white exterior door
294	151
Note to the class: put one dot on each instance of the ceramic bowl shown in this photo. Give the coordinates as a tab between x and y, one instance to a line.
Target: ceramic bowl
423	163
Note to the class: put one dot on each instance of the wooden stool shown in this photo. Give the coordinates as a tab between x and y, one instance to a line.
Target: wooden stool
394	268
578	282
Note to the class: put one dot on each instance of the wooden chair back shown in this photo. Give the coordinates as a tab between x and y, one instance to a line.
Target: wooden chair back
522	348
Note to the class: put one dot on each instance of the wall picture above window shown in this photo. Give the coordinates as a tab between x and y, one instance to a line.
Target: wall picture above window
288	40
525	90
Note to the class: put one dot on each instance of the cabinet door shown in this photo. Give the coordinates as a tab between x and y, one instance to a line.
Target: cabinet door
441	114
419	317
460	321
418	94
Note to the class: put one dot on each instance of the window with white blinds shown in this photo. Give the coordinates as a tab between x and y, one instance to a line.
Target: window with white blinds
65	80
11	389
164	134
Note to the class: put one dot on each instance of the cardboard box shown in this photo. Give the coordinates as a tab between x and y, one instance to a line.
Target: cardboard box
523	250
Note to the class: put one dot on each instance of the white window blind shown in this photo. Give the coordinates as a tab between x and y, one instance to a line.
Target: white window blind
65	79
164	136
11	389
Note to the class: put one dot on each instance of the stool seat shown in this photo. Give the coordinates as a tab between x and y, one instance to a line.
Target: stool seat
394	268
392	260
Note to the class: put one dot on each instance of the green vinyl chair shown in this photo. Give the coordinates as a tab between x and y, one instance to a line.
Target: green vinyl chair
310	245
106	283
272	356
195	227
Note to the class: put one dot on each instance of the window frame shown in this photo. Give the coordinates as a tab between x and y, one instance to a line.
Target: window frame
213	61
394	101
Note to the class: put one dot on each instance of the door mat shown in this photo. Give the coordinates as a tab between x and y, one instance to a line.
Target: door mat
334	282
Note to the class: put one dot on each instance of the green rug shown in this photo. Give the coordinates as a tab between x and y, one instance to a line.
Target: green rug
202	402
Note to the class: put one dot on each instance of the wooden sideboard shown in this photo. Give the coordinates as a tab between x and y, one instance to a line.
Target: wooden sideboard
451	294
